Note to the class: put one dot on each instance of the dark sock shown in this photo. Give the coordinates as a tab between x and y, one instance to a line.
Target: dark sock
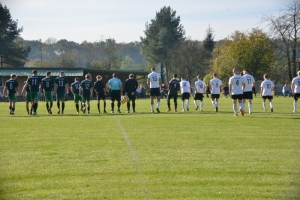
133	105
58	105
10	107
88	109
104	105
62	107
169	106
77	107
112	106
128	105
51	104
98	105
34	107
175	106
47	106
119	104
13	109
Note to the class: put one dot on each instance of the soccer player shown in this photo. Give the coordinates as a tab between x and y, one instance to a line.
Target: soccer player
75	91
266	91
61	88
130	87
34	81
296	90
174	87
185	93
11	86
86	89
200	87
99	88
154	83
28	99
248	94
215	85
236	85
47	87
115	85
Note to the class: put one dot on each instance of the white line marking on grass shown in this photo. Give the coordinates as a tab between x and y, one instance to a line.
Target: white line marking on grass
135	158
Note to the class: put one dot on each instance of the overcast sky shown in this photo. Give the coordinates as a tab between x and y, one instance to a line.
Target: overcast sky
93	20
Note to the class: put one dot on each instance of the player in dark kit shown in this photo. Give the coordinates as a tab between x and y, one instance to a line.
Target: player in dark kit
130	87
174	87
28	99
34	81
12	87
47	87
86	88
99	88
61	88
75	91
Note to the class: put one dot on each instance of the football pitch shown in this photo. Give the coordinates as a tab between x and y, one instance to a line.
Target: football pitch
143	155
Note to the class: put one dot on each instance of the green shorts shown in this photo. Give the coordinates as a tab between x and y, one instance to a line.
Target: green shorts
61	97
84	99
77	98
28	97
35	96
48	96
12	98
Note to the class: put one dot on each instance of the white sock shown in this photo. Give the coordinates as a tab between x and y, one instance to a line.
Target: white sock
213	103
217	104
264	105
151	107
182	104
250	107
201	105
295	106
195	102
187	103
271	104
157	104
241	106
234	108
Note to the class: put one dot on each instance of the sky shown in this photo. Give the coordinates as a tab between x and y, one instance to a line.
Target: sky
124	21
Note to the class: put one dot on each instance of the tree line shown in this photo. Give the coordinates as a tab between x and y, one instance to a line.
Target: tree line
164	41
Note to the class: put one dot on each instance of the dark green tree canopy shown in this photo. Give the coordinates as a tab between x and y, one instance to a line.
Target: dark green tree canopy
12	51
162	34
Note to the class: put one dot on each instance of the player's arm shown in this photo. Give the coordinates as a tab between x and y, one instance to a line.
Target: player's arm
67	88
230	89
55	88
261	90
148	82
24	87
292	88
159	80
4	91
80	90
71	89
91	91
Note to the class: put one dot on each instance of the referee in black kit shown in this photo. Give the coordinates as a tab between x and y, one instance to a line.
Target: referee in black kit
130	87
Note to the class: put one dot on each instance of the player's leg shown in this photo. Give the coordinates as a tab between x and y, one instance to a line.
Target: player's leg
182	102
195	101
250	106
175	102
133	97
234	106
98	102
168	102
151	103
271	103
188	101
88	105
213	100
158	100
240	100
264	103
217	102
201	102
295	103
104	105
118	98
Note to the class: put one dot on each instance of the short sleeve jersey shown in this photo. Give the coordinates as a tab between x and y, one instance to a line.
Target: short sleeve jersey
61	83
99	86
236	84
215	83
130	85
154	79
86	86
75	86
296	83
11	86
200	85
115	84
267	86
34	82
249	80
174	86
185	87
47	84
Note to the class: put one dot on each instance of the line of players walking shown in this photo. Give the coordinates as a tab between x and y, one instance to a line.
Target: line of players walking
240	90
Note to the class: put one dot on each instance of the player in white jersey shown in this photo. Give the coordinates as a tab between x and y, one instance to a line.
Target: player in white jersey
215	85
185	89
154	83
296	90
236	86
248	94
267	91
200	87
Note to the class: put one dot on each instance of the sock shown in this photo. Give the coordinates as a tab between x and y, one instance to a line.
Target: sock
128	105
213	103
10	107
295	106
104	105
58	105
250	107
241	106
157	104
271	104
201	105
98	106
34	107
88	108
119	105
77	107
169	106
151	105
13	109
62	107
182	105
175	105
264	105
112	106
196	104
47	106
51	104
83	105
217	104
133	105
234	109
187	103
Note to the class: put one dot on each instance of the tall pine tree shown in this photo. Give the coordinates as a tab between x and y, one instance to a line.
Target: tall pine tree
12	51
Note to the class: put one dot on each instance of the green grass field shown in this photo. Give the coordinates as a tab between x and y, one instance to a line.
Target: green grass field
145	155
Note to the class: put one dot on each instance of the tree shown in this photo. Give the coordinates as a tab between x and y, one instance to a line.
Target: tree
253	51
161	35
286	27
111	52
208	42
12	51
